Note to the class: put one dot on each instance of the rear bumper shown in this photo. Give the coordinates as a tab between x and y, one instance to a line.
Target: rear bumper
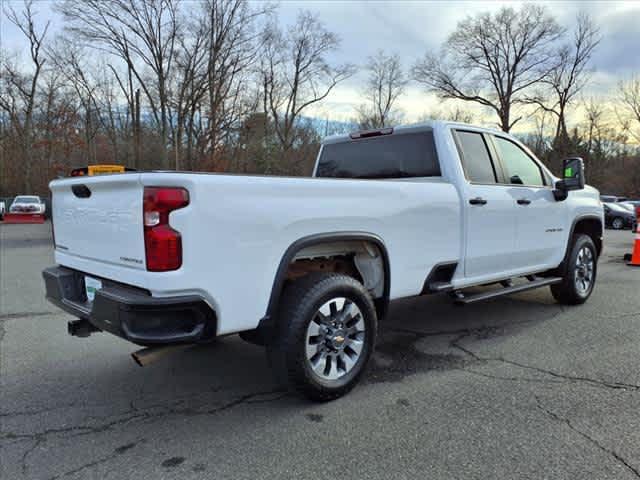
131	313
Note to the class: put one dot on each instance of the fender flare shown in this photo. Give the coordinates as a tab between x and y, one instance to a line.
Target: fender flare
381	303
572	231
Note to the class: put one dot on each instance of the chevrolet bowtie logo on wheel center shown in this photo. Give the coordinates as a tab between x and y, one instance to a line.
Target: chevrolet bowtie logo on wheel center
338	339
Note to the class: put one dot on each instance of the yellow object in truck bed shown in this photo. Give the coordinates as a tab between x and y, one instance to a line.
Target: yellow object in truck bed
101	169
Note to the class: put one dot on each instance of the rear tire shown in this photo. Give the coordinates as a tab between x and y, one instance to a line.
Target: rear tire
578	273
325	334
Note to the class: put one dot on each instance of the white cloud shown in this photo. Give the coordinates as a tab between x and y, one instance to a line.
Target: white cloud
412	27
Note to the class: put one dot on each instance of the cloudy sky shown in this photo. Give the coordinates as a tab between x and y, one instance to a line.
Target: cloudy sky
412	27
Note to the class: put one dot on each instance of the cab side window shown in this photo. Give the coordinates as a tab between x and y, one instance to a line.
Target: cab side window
520	168
476	160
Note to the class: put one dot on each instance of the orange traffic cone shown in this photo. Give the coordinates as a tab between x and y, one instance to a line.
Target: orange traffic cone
635	256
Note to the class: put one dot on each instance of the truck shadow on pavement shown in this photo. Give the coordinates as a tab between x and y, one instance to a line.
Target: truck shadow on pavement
425	334
419	335
231	377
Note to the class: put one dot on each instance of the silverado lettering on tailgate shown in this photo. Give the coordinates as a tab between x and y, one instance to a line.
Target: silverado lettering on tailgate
117	220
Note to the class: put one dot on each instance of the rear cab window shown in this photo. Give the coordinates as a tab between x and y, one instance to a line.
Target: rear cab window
398	155
475	157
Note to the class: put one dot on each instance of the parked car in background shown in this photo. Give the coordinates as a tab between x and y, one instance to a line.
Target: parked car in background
2	209
634	204
27	204
617	216
612	198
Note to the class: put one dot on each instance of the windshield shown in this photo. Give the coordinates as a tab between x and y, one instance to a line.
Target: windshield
25	199
617	208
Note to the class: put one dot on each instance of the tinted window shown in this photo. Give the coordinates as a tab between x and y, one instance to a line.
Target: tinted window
475	158
389	156
520	169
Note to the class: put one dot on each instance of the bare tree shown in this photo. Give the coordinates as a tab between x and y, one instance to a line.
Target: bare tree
629	98
140	32
567	79
231	46
385	83
18	91
296	73
116	122
453	114
69	59
189	86
537	140
133	122
494	59
602	141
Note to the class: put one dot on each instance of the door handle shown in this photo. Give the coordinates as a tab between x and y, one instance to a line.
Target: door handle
478	201
524	201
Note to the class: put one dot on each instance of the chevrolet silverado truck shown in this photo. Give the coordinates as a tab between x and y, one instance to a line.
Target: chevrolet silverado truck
307	266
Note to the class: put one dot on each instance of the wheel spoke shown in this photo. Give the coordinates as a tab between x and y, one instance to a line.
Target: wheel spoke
349	361
354	345
318	363
348	312
325	310
314	329
322	319
332	372
359	326
311	350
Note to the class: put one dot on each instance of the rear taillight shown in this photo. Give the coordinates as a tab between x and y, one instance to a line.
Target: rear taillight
163	244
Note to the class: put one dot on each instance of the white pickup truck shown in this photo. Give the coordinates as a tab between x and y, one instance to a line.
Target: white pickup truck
307	266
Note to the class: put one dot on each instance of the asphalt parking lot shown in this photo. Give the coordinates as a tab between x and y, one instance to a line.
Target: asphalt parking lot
516	387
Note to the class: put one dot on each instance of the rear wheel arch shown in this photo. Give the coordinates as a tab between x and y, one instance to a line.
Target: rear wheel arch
289	255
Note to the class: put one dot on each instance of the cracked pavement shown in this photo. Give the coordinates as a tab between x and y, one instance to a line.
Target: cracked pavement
517	387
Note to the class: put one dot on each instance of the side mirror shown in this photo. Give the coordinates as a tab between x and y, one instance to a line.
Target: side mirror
516	180
572	177
573	173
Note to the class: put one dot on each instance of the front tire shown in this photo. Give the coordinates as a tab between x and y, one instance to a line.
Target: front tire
578	273
325	335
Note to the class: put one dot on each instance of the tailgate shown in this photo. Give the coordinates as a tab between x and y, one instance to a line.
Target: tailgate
100	218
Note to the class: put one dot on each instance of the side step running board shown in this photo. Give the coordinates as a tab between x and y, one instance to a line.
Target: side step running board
438	287
534	282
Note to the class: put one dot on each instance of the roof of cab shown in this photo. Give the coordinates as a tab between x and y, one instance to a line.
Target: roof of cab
412	128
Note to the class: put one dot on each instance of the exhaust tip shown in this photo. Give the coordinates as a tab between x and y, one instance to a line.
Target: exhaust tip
149	355
136	359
